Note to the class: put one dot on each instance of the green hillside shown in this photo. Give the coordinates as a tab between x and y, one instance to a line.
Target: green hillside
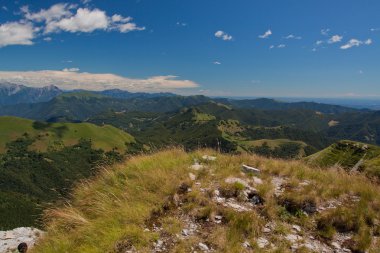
43	160
352	156
219	126
52	134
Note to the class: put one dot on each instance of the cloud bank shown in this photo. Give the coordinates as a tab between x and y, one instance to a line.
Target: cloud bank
69	79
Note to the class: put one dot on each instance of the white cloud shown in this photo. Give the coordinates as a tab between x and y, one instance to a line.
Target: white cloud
223	35
368	42
88	20
217	63
85	20
278	46
375	29
70	69
4	8
181	24
129	27
325	32
319	42
266	35
120	18
356	43
292	36
61	18
69	80
16	33
335	39
55	12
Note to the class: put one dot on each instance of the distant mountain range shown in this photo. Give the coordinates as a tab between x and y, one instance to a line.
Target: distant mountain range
11	94
167	119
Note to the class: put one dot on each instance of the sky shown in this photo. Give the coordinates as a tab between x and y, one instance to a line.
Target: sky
257	48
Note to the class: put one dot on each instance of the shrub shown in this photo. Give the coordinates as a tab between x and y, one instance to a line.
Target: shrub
231	190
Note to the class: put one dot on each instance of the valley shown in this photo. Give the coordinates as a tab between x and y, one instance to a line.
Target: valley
49	147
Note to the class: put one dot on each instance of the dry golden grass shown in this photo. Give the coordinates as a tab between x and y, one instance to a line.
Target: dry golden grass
110	213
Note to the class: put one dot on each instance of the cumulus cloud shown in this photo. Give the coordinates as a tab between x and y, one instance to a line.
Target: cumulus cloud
61	17
119	18
88	20
16	33
85	20
292	36
70	79
129	27
335	39
266	35
217	63
356	43
55	12
223	35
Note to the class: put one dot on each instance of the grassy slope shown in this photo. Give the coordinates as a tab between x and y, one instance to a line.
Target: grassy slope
347	154
111	213
274	143
105	137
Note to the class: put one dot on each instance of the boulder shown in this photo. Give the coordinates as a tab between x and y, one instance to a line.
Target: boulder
9	240
209	158
249	169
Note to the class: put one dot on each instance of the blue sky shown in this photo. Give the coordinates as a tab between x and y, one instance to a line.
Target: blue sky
287	48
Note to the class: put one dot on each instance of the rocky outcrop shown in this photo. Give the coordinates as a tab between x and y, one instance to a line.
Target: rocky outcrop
9	240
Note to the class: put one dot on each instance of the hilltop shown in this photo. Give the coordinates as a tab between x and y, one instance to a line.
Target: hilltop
47	135
166	203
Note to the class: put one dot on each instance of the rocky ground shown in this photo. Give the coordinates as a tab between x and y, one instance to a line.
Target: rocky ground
196	228
9	240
